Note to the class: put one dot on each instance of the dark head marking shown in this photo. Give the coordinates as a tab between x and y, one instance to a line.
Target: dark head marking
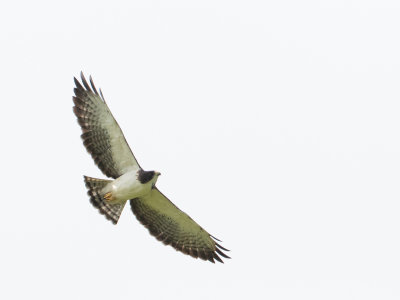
145	176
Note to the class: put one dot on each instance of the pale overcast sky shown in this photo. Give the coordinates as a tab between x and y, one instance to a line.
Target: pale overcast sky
275	125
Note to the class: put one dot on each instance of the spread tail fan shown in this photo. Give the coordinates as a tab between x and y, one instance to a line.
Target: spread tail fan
111	211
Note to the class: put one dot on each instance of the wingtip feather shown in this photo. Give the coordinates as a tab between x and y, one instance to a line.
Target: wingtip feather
219	246
218	258
85	82
221	253
215	238
78	85
101	94
93	86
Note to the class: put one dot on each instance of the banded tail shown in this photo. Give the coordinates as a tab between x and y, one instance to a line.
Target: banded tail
111	211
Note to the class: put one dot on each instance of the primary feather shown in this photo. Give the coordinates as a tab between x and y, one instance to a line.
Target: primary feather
101	134
173	227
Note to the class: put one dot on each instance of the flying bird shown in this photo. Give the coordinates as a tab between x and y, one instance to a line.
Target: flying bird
106	143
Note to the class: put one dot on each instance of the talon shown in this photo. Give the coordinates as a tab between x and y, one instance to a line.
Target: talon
108	196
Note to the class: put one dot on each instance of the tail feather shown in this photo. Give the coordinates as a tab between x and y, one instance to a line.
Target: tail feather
111	211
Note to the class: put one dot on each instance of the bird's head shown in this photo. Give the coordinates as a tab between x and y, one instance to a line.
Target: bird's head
147	176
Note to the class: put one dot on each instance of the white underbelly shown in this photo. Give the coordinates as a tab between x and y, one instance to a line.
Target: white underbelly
127	187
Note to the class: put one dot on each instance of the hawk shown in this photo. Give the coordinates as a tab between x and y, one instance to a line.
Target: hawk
106	143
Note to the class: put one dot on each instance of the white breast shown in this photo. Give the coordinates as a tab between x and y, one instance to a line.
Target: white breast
127	187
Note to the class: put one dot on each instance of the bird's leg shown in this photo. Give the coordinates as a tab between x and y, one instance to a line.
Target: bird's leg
108	196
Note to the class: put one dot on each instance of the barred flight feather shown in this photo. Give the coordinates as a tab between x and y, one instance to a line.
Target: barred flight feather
101	134
170	225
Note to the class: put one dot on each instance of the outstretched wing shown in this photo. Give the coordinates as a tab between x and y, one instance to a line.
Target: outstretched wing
101	135
173	227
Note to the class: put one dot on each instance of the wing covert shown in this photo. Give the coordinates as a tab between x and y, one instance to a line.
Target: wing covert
173	227
101	134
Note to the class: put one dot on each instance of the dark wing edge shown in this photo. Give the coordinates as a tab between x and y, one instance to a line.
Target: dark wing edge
161	226
88	105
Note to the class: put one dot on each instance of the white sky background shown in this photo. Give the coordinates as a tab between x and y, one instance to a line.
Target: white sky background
275	125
